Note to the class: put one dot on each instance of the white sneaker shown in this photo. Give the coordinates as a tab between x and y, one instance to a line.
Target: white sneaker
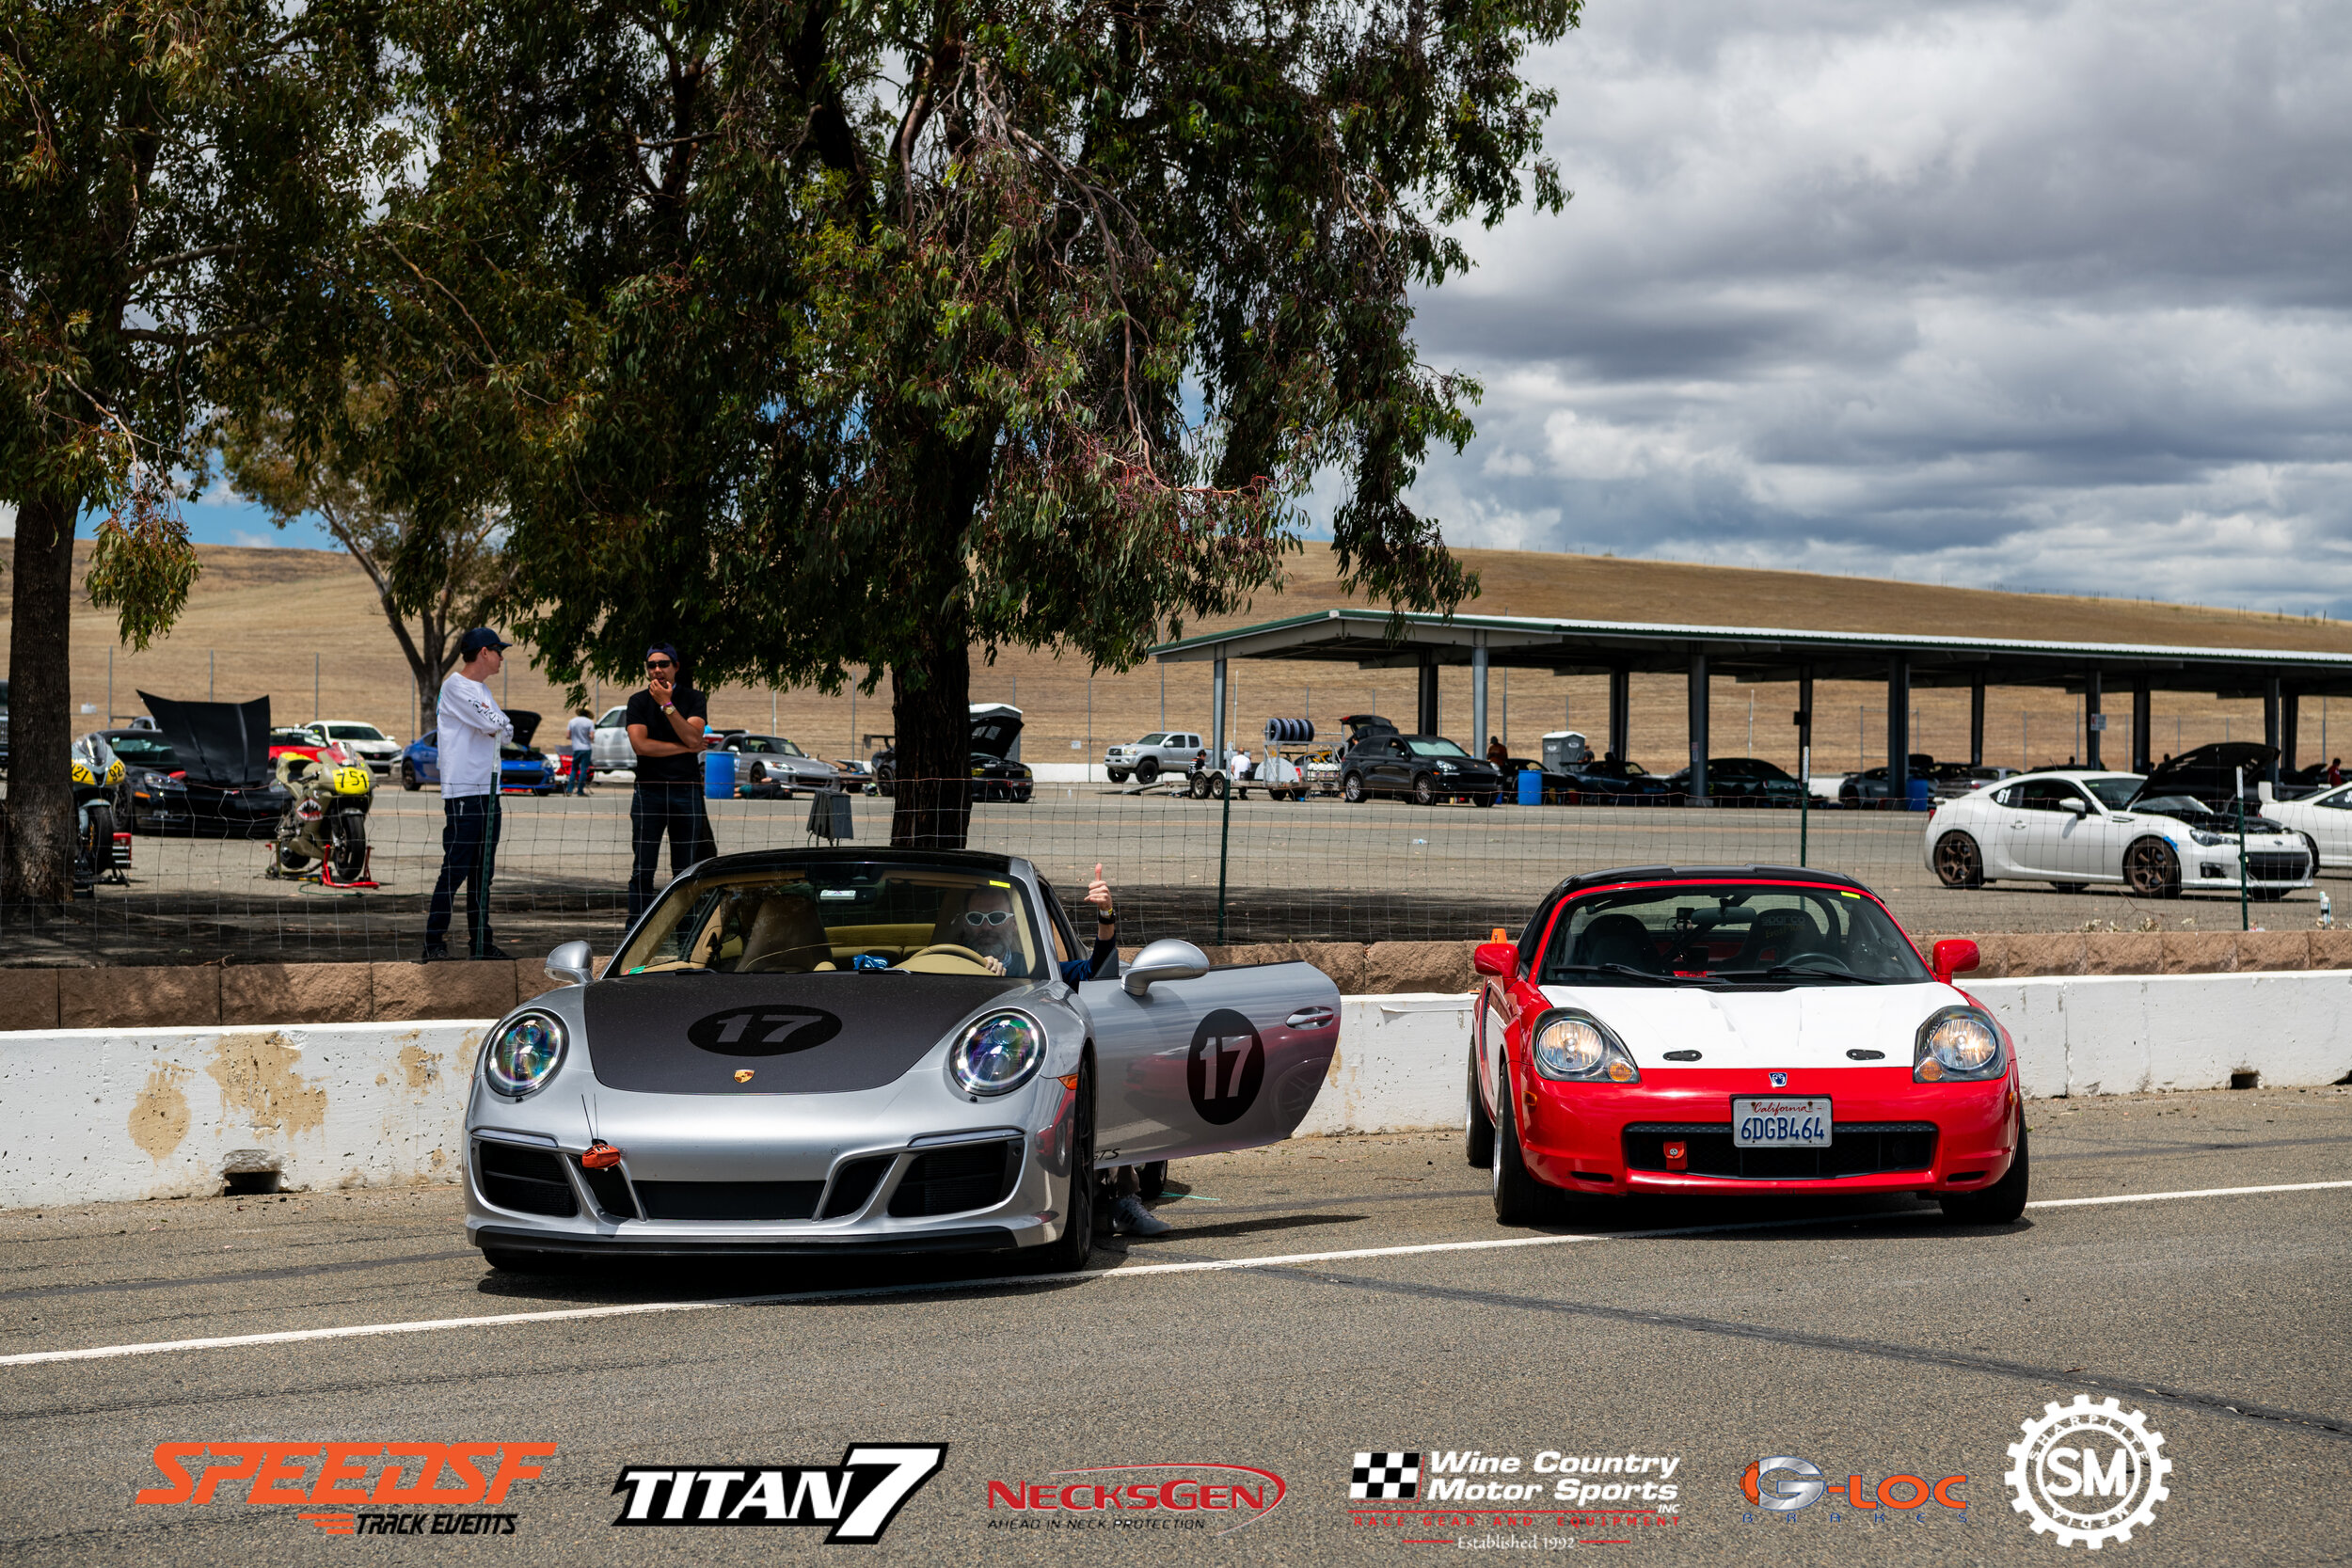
1129	1217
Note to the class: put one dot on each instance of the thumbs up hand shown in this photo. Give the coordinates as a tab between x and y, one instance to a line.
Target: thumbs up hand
1099	894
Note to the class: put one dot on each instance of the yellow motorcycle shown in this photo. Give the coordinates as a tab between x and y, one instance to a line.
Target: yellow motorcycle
97	781
323	833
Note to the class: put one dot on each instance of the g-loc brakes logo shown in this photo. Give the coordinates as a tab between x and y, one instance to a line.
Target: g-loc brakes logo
2082	1450
857	1498
1226	1068
763	1031
1785	1483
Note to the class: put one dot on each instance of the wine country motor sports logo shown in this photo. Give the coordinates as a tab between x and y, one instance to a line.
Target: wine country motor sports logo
1784	1485
1210	1498
443	1477
856	1499
2088	1473
1436	1494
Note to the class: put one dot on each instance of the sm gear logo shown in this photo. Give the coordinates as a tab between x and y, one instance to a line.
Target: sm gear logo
1786	1484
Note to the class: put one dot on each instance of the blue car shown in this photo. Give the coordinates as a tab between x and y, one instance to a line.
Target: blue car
522	768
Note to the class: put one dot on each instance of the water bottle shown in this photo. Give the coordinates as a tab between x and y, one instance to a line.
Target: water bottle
2326	914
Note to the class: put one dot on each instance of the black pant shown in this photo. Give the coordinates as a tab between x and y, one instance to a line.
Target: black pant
469	850
656	808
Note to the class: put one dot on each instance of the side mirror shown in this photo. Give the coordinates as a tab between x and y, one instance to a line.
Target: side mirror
571	964
1954	955
2074	808
1497	958
1168	959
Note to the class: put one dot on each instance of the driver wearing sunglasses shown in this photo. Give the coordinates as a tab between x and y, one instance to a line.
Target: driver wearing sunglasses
987	929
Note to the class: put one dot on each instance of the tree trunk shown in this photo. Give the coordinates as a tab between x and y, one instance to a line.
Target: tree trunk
931	707
39	868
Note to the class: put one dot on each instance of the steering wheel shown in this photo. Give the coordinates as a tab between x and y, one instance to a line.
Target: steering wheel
1825	961
952	949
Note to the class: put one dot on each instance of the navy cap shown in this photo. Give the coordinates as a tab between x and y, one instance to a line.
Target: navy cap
478	639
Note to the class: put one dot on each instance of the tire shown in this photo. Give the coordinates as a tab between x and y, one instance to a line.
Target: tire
409	780
2311	846
2069	887
1958	862
1152	1179
1483	798
1519	1198
1478	1128
100	844
1217	786
884	779
1115	775
1352	789
2266	894
1147	771
291	859
348	856
1069	1253
1999	1204
1424	790
2151	869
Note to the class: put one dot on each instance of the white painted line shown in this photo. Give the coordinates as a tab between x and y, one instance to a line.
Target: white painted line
2202	1192
429	1325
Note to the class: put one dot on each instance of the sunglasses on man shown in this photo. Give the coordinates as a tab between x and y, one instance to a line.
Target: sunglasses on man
659	664
986	917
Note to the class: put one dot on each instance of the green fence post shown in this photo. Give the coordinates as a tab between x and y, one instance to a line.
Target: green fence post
2245	921
1224	836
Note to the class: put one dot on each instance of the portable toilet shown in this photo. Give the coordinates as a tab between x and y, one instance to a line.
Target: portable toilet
1563	748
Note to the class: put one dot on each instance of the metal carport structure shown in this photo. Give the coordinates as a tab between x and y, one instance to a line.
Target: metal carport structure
1374	640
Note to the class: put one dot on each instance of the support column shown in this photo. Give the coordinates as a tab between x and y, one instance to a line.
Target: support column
1477	747
2290	715
1620	741
1698	729
1425	719
1217	714
2143	720
1975	722
2092	717
1898	732
2270	721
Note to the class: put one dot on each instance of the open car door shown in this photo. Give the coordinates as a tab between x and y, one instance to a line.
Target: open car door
1233	1059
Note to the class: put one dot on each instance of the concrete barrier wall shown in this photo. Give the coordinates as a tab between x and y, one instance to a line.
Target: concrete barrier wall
100	1115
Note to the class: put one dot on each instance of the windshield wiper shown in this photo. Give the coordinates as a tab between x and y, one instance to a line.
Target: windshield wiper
1629	971
1789	972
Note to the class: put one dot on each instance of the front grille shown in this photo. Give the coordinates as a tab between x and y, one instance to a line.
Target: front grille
853	1183
528	1180
2280	866
729	1200
610	1188
951	1180
1861	1148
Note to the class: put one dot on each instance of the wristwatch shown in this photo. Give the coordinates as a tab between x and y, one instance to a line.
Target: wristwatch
669	707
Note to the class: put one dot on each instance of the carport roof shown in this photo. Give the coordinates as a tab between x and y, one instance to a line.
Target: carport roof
1371	640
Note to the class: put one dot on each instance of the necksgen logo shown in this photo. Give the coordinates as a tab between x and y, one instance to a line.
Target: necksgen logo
1181	1495
857	1498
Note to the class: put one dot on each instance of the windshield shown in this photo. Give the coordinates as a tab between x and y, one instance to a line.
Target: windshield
1435	748
835	915
1695	933
139	750
293	737
1151	741
354	732
2114	794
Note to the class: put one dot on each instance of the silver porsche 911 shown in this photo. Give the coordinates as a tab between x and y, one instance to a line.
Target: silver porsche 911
836	1051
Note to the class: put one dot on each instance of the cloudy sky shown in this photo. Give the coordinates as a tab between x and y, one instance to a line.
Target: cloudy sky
2052	295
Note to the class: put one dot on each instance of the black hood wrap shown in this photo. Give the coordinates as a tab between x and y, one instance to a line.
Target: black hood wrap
225	744
795	1034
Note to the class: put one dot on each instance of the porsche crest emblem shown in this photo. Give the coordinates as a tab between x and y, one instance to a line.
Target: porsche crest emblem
743	1075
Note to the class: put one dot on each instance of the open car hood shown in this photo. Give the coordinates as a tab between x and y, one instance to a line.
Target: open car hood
2204	772
995	729
225	744
526	725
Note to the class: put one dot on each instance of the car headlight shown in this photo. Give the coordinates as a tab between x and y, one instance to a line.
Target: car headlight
1957	1042
1573	1046
524	1053
997	1055
1445	768
2212	841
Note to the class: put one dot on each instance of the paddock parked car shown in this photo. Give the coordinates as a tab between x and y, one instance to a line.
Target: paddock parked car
372	746
779	760
842	1053
523	769
2323	822
1427	768
1145	760
1735	1031
1598	781
203	769
2074	829
1741	782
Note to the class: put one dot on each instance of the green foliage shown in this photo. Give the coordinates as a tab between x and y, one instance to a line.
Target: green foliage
142	565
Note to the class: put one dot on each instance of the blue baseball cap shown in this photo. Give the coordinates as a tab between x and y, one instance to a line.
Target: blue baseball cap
478	639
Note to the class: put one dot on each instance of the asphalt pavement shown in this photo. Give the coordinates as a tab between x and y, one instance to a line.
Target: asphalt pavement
1317	1301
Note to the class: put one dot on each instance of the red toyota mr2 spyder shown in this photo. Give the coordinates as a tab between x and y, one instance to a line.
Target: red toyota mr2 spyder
1749	1029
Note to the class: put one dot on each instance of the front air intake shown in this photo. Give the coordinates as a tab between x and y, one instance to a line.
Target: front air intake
951	1180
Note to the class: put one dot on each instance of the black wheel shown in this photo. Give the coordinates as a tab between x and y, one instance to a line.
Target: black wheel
1069	1252
99	846
408	779
1352	789
1958	862
2000	1203
1152	1179
2151	869
884	778
2069	887
349	855
1148	771
291	859
1117	775
1424	790
1217	786
1478	1128
2311	847
1519	1198
2267	895
1483	798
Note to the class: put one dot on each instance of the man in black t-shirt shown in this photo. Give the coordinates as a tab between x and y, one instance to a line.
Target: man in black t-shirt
665	730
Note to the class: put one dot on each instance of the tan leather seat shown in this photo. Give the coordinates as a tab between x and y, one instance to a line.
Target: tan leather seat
784	936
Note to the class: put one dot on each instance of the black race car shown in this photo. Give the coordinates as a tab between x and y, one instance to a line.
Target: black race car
1599	782
995	775
203	769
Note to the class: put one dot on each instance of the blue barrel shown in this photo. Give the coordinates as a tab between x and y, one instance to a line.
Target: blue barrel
1531	786
718	775
1922	794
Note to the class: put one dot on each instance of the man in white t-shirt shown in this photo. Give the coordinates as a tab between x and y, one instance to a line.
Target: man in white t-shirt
470	728
581	736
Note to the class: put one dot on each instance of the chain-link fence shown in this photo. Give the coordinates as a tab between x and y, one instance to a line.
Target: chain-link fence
1235	870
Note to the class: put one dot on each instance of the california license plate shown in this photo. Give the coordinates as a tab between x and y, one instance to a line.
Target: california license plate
1780	1121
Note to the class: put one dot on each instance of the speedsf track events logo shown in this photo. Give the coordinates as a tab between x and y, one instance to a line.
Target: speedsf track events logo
359	1488
1209	1497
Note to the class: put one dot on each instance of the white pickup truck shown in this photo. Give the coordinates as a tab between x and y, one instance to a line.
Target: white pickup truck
1161	751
